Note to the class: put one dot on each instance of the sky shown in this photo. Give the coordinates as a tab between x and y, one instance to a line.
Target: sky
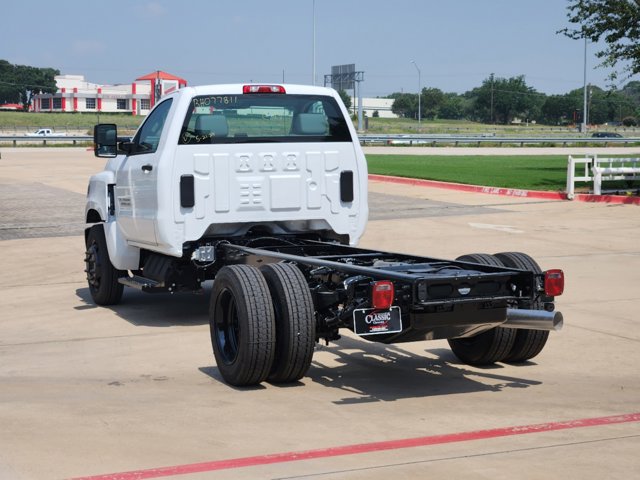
455	43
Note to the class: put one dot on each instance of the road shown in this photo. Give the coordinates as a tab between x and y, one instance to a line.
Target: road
87	391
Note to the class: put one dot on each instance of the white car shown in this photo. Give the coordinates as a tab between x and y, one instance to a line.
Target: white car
45	132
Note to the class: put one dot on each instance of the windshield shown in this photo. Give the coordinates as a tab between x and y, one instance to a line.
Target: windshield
259	118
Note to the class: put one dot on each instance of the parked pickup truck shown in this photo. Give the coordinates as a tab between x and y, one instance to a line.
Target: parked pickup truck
263	189
45	132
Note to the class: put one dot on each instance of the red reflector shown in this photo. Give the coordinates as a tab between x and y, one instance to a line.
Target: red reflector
263	89
553	282
382	295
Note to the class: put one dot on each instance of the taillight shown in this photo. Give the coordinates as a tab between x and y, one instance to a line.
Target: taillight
263	89
382	295
553	282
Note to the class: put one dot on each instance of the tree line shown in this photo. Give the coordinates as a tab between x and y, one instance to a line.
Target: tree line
19	83
503	100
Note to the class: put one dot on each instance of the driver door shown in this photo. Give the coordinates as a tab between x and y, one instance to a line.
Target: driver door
137	180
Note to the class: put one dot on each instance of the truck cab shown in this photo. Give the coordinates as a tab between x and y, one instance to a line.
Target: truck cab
219	161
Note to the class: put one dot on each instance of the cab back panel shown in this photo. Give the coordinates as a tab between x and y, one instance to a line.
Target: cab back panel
260	183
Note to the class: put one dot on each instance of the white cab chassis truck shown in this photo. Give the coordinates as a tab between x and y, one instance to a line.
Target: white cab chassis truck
263	189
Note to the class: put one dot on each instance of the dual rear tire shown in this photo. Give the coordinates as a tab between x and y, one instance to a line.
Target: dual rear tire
262	324
527	343
502	344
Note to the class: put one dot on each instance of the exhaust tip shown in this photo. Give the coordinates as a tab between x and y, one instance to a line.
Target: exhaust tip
558	321
534	319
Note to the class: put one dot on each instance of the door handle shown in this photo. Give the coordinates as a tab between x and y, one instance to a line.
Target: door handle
147	168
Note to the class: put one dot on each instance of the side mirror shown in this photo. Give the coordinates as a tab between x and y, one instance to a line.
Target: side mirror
105	140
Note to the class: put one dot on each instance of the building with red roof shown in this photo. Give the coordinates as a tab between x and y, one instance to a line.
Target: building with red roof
162	83
75	94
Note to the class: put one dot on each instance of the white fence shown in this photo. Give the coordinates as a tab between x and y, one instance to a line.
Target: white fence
592	168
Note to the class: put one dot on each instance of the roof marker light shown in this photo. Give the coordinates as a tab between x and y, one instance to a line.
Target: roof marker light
263	89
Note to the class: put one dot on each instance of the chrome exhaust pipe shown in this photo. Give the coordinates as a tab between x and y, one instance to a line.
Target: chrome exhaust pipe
533	319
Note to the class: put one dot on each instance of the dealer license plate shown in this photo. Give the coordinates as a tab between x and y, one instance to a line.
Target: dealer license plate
369	321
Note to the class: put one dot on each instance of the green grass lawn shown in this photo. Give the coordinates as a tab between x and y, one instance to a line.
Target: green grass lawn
407	125
535	172
27	121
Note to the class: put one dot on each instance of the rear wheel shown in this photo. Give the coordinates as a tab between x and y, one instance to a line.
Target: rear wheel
528	343
488	347
295	322
102	276
242	325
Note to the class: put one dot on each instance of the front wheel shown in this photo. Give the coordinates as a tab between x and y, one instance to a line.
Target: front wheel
102	276
242	325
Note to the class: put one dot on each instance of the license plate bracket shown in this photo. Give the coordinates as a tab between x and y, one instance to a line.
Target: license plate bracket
369	321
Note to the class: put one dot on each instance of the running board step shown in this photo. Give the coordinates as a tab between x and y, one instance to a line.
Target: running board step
142	283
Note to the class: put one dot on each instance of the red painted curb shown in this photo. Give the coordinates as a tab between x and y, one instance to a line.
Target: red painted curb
364	448
509	192
616	199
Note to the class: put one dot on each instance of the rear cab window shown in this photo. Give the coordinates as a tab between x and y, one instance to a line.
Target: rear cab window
263	118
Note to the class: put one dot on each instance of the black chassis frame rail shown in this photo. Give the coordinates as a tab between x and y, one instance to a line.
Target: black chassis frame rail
433	282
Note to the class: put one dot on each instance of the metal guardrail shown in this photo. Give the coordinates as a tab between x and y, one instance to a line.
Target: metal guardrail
433	140
366	139
74	139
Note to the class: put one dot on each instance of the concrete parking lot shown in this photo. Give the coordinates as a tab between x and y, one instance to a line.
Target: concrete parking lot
88	391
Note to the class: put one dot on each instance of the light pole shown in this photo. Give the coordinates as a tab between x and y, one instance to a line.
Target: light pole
419	93
584	97
313	74
492	98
